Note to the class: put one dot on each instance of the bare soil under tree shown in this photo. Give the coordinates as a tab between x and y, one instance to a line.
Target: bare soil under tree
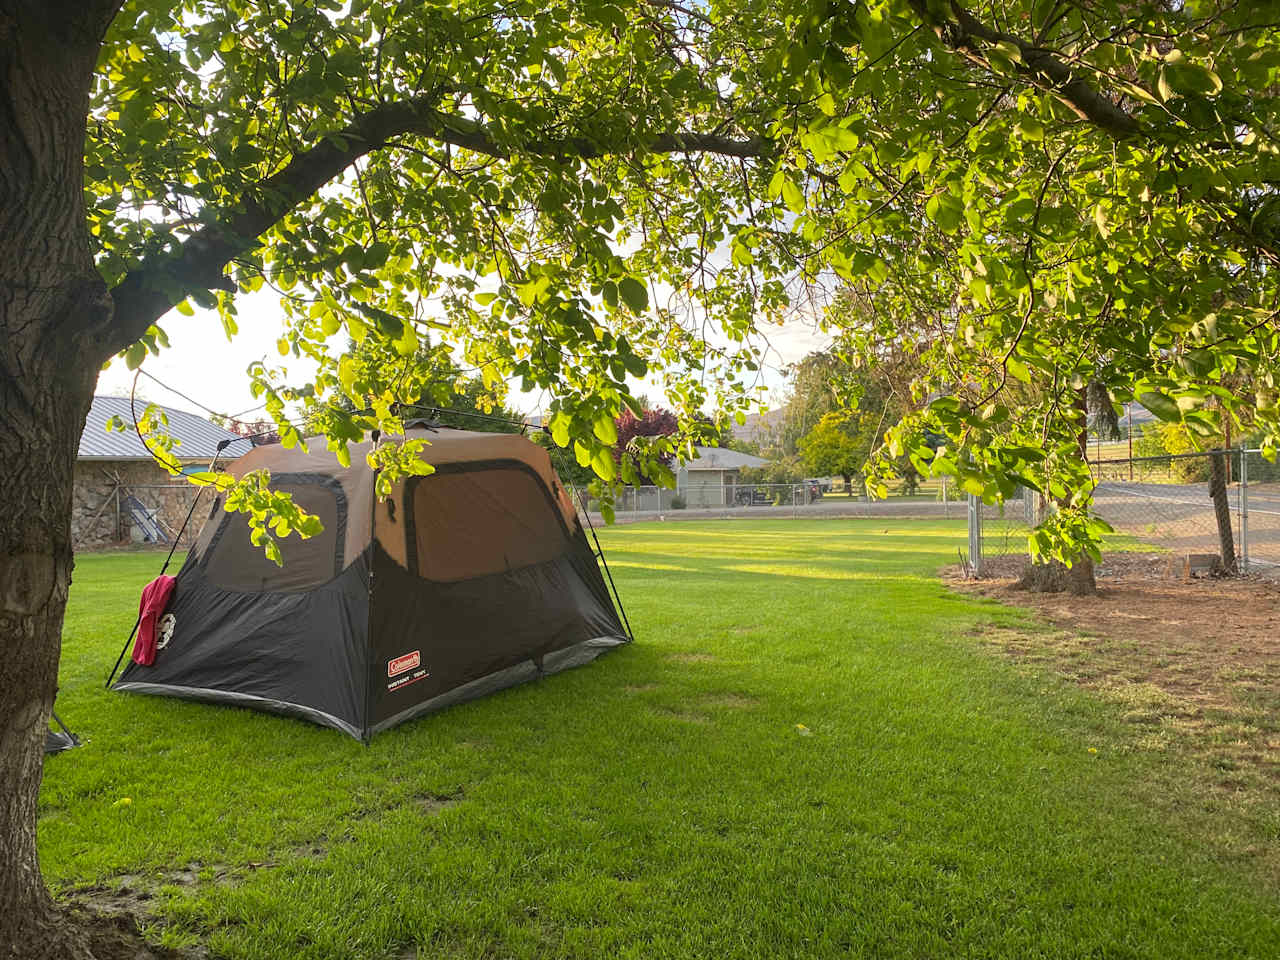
1195	663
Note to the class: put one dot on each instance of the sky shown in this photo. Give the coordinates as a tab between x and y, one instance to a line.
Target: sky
210	371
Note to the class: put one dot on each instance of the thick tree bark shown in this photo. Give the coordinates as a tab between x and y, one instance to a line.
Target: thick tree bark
1077	580
1218	466
1056	577
54	314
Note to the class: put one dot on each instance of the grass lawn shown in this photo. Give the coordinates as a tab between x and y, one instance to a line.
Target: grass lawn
807	753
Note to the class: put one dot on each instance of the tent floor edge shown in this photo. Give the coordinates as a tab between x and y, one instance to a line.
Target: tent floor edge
577	655
297	711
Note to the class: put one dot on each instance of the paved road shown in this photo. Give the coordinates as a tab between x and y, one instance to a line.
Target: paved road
1180	517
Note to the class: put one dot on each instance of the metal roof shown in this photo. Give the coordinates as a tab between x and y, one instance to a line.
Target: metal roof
721	458
197	438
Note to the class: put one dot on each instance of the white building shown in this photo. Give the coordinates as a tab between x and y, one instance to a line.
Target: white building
706	480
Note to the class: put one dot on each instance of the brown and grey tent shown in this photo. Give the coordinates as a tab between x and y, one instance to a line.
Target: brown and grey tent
474	578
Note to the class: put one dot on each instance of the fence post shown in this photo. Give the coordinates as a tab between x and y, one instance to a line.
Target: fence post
946	507
1244	508
975	535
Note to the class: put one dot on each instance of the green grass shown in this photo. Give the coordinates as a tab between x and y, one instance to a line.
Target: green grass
663	802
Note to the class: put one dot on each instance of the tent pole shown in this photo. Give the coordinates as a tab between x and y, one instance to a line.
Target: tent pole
612	586
365	733
599	549
222	445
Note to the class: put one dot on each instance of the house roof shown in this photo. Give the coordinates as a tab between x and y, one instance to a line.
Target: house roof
720	458
197	438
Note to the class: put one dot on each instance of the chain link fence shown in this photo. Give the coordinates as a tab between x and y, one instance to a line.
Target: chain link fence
729	500
1161	503
1001	529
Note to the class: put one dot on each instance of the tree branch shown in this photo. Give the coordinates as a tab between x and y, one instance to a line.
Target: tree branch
960	31
163	280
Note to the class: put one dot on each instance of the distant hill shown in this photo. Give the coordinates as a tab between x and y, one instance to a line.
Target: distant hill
1140	414
759	427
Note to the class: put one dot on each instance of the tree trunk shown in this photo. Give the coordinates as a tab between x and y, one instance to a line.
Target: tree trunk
848	483
1222	510
1055	577
54	317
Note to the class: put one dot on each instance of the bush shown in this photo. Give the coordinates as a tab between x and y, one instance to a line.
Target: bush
1160	439
678	502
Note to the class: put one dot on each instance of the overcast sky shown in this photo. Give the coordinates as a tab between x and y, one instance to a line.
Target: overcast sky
202	364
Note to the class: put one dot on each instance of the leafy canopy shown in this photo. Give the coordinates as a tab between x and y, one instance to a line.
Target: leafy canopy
1037	196
839	443
574	196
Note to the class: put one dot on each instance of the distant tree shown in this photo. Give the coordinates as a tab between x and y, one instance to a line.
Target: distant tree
258	432
839	443
815	390
751	447
573	475
430	385
630	434
634	432
782	470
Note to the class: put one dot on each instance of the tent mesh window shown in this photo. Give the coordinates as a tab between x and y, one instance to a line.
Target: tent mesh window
482	522
233	562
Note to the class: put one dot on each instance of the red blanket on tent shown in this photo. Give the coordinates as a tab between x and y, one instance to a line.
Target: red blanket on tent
155	597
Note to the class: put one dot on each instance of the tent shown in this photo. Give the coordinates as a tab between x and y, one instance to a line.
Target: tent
56	741
474	578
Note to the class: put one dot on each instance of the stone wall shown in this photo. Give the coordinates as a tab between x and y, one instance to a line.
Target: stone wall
99	513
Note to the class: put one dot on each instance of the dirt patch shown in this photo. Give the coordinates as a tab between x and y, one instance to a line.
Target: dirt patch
1195	663
691	658
640	687
117	937
433	803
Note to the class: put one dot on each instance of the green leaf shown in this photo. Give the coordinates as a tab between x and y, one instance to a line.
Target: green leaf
633	294
1162	405
774	190
1029	128
842	138
792	196
560	430
272	550
603	465
605	429
134	356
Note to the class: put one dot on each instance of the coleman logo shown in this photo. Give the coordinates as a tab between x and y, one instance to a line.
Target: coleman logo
403	664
